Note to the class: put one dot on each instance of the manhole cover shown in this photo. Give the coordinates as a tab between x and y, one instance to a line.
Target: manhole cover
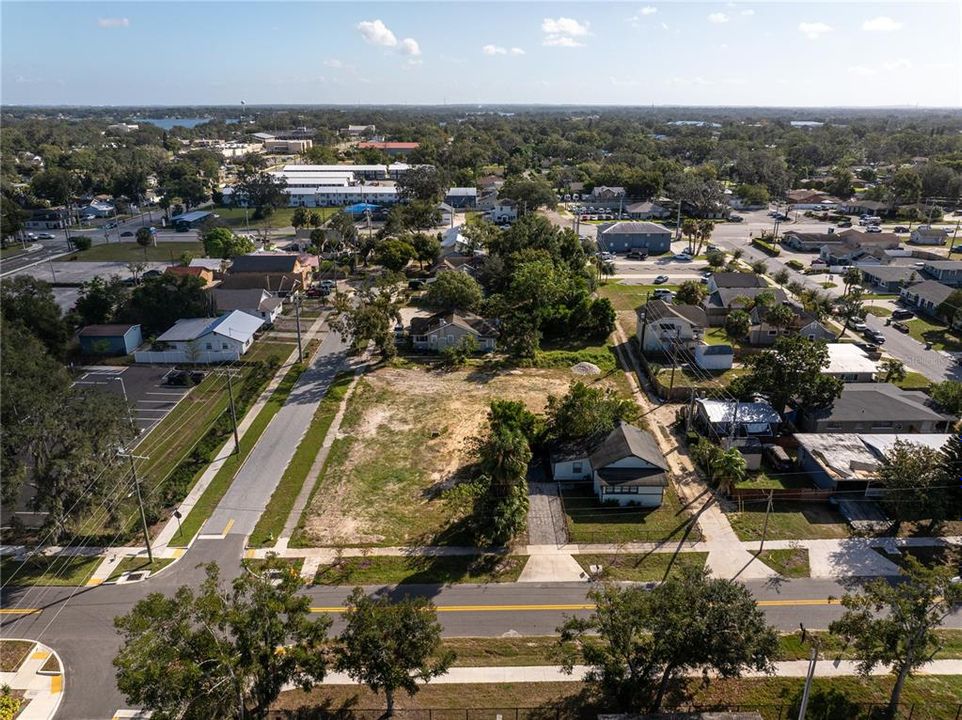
135	576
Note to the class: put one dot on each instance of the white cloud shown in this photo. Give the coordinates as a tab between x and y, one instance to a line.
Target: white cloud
494	50
718	18
517	51
897	64
377	33
113	22
648	10
410	47
563	31
561	41
862	70
564	26
333	63
747	12
881	24
814	30
664	26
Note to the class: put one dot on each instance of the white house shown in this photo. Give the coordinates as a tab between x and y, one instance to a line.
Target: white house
98	209
928	235
849	363
204	340
504	211
625	467
661	326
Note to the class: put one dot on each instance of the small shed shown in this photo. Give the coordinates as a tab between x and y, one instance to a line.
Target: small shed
110	339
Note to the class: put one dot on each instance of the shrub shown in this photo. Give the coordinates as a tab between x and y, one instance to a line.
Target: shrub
795	265
765	247
81	242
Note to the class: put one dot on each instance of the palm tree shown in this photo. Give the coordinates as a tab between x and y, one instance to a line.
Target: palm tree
729	469
705	229
851	278
689	229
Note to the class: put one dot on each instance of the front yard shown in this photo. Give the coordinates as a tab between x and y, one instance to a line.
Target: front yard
640	568
939	335
590	521
404	443
132	252
789	520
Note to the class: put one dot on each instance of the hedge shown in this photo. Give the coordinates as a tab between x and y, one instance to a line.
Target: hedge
765	247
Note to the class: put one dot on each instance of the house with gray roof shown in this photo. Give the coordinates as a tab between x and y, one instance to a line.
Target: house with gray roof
889	278
626	466
203	340
804	324
735	280
646	210
723	300
665	328
928	235
446	329
630	235
878	408
253	301
926	296
947	272
462	197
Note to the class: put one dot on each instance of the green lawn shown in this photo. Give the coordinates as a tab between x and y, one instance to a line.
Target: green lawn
139	564
914	381
718	336
381	570
878	311
564	355
234	217
11	252
272	520
789	520
589	521
791	562
132	252
939	335
640	568
767	479
702	379
266	349
629	297
67	571
198	515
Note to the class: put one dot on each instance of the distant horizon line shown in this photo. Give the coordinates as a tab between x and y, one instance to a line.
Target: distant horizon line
653	106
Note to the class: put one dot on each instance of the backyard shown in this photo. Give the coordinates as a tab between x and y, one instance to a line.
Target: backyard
403	443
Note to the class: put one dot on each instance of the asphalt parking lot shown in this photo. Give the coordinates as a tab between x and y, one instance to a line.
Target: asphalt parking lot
149	399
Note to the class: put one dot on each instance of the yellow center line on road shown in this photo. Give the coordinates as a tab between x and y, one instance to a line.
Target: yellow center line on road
20	611
230	524
571	607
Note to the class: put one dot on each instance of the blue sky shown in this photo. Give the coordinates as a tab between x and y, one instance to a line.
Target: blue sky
688	53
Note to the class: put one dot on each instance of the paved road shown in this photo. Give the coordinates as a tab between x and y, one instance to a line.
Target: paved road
81	630
247	497
935	365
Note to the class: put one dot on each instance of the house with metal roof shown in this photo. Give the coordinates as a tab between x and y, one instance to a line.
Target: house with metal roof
203	340
726	418
849	462
632	235
254	301
849	363
626	466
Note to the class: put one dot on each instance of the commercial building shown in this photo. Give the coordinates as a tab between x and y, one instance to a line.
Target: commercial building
287	147
625	236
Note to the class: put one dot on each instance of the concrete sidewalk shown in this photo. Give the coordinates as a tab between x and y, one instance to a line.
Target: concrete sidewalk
554	673
43	689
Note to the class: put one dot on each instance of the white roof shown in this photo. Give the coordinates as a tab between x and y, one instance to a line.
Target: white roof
848	358
314	175
719	411
209	263
332	168
857	456
236	325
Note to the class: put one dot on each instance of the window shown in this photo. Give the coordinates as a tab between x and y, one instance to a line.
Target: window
576	467
773	332
881	423
420	338
209	346
834	426
450	339
224	346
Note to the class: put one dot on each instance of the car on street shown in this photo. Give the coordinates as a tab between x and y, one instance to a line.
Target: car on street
901	229
873	229
901	326
874	336
126	233
859	326
637	254
319	292
682	257
900	314
735	218
707	274
661	279
45	236
110	226
844	223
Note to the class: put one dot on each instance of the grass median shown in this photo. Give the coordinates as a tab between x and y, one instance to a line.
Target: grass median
378	570
198	515
272	520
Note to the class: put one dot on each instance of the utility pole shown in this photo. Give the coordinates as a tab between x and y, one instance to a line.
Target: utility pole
768	512
671	382
644	324
140	502
954	234
808	683
297	317
233	412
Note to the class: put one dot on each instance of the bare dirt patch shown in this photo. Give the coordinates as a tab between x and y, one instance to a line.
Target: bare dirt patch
404	440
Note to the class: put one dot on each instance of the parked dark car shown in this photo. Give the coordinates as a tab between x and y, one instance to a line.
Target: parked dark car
126	233
637	254
900	314
415	284
152	273
900	326
901	229
317	292
735	218
844	223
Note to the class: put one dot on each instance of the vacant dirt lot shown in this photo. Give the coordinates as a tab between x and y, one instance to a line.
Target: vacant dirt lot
403	442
